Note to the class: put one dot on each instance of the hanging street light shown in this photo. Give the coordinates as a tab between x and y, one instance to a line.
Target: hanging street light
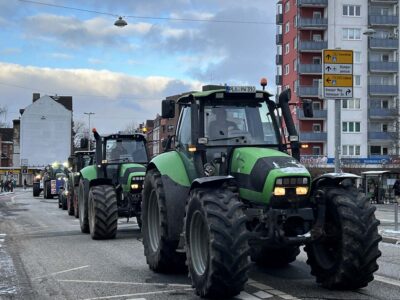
120	22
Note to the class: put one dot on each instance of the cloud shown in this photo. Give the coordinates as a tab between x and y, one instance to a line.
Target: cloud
72	32
63	56
10	51
116	98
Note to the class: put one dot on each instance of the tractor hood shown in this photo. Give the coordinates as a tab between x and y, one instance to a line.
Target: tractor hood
256	170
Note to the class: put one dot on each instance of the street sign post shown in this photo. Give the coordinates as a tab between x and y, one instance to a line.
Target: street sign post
337	83
338	74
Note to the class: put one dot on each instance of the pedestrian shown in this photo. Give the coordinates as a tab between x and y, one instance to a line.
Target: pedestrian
24	183
396	189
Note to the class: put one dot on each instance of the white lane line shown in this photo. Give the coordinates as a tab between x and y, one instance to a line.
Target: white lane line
127	283
269	291
61	272
1	240
2	234
246	296
137	294
263	295
136	299
387	280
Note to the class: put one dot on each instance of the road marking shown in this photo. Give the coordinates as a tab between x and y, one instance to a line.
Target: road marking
387	280
61	272
246	296
127	283
137	294
137	299
1	240
2	234
268	292
263	295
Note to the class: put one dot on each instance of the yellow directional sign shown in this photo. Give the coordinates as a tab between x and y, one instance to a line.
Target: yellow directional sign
338	80
338	56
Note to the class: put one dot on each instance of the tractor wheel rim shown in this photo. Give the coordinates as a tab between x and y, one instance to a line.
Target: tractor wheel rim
199	243
153	222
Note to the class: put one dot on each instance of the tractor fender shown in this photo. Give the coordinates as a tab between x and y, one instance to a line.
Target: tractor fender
211	181
176	185
100	181
332	179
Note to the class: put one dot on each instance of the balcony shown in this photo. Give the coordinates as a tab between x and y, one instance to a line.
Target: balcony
278	59
318	114
389	43
311	23
312	3
312	69
312	46
279	19
278	39
381	135
383	90
383	66
307	91
382	113
278	79
380	20
313	136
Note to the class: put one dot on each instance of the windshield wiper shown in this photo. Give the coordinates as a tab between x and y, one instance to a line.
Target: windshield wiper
228	138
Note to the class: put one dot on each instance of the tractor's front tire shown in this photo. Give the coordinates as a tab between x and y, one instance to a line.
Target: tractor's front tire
274	257
75	202
64	202
216	238
160	252
346	257
83	208
103	212
36	189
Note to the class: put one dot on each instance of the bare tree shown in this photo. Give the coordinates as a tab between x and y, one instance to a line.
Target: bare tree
80	131
3	117
131	127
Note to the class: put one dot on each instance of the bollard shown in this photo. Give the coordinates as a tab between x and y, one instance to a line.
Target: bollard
396	216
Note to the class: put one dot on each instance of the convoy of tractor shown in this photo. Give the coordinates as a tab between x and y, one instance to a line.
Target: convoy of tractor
227	190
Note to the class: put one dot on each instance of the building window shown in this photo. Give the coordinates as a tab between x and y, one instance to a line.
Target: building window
357	80
317	37
317	15
170	128
287	27
357	57
295	65
351	127
287	48
295	21
352	10
385	127
295	43
351	103
287	6
316	105
351	34
353	150
286	69
316	60
316	127
316	150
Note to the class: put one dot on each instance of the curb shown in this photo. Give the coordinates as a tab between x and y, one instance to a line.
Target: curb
390	240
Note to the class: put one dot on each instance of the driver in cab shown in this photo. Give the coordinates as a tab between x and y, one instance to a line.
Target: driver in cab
221	125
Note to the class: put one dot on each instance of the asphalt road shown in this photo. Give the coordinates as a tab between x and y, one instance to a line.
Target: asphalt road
43	255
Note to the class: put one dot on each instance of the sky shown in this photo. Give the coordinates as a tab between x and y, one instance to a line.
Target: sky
122	74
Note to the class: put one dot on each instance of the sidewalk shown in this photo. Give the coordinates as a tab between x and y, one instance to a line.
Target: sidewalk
385	213
16	190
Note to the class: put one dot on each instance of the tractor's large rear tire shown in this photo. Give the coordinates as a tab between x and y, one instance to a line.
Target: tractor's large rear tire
70	204
36	189
76	202
83	208
274	257
216	238
63	201
48	190
160	252
346	257
103	212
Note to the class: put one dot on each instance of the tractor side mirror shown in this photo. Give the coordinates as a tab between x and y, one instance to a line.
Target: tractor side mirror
308	108
285	96
168	109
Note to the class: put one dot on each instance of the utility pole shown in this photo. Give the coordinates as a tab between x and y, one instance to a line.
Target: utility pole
89	114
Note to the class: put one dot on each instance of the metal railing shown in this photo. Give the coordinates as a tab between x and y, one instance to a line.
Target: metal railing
307	91
312	23
278	39
384	20
318	3
310	68
313	136
381	89
318	114
312	45
380	43
382	112
375	135
383	66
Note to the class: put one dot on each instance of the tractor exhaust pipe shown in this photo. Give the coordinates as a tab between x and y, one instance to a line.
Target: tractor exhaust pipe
284	99
99	151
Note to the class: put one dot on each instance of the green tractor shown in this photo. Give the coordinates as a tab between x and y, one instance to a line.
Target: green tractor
77	161
112	186
233	189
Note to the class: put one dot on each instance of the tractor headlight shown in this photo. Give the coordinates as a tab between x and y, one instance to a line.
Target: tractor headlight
301	190
135	186
279	191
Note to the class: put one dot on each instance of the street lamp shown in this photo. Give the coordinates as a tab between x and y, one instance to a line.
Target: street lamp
89	114
120	22
369	32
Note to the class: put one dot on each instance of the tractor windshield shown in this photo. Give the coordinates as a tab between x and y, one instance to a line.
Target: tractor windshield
125	150
239	124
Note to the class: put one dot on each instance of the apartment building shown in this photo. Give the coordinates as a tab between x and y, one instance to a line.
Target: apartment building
369	121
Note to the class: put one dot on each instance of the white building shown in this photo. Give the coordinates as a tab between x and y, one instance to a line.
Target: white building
45	132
